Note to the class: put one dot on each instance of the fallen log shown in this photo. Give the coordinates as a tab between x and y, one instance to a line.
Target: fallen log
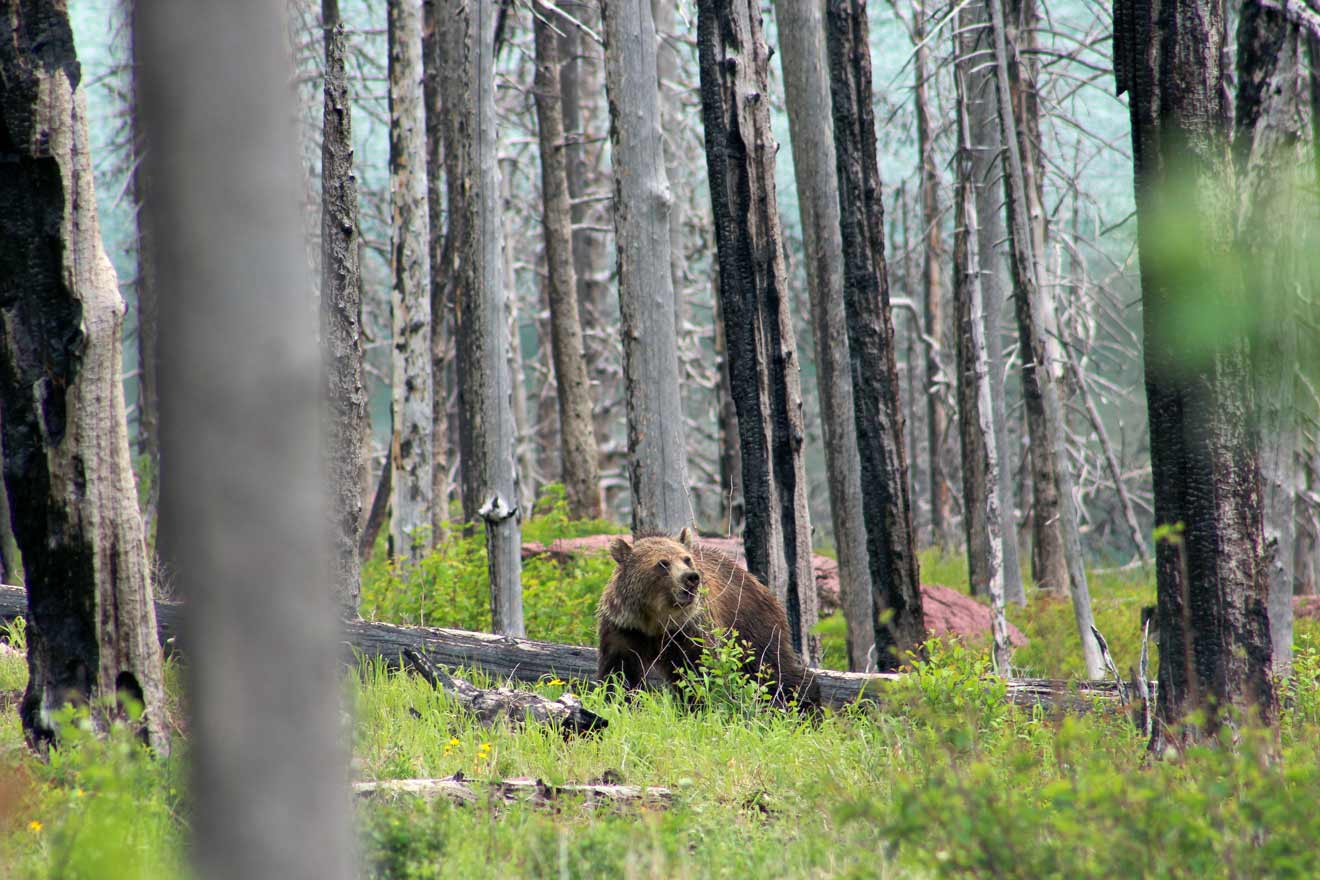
531	661
521	789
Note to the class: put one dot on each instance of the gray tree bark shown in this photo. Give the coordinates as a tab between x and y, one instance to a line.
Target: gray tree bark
578	450
757	306
657	448
1039	382
969	305
807	98
483	328
67	466
900	625
438	252
972	44
410	293
241	399
341	318
1272	151
1212	582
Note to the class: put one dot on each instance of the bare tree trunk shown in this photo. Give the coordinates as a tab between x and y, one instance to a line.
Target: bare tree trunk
578	450
1039	382
937	420
483	327
525	459
341	318
1211	575
442	335
1272	150
899	622
730	454
757	306
1049	554
656	433
241	393
972	45
970	307
671	123
67	466
412	391
807	93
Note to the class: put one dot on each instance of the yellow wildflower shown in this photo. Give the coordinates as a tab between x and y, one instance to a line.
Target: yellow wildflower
34	825
554	682
454	742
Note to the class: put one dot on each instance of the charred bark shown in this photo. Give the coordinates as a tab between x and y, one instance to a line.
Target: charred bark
756	306
67	466
899	623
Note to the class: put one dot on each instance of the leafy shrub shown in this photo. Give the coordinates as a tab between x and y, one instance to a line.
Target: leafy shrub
720	683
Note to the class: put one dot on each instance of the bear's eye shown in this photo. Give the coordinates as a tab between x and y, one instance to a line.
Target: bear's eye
663	565
687	560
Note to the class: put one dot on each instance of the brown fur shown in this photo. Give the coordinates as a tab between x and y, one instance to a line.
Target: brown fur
667	595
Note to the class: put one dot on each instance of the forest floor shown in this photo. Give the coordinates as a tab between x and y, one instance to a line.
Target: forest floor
942	778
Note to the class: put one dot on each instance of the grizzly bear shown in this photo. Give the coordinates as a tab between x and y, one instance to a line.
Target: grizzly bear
667	597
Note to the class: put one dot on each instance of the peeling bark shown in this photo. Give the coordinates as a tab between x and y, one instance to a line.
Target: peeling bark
67	466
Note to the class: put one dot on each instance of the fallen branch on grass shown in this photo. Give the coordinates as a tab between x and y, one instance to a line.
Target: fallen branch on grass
531	661
520	790
490	706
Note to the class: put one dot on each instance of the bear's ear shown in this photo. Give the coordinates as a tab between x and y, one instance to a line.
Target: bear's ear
685	537
621	550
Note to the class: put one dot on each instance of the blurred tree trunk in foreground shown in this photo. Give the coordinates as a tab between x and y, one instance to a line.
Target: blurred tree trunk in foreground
67	466
1212	581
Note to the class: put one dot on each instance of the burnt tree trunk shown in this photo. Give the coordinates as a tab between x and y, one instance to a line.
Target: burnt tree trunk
341	319
972	44
486	377
657	449
1211	576
757	306
1272	149
807	96
410	375
899	623
67	466
438	253
1029	301
578	450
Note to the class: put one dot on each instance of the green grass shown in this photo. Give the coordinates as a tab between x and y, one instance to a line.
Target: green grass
943	778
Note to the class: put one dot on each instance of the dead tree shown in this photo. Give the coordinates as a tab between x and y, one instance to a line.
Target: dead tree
899	623
67	466
1038	382
578	451
757	307
972	44
1211	576
657	450
241	391
341	318
807	97
410	374
477	234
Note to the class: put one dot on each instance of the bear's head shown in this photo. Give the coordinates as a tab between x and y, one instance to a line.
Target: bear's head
658	580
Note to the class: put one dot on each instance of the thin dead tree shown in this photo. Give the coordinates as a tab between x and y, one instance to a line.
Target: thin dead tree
1038	382
67	466
477	231
900	625
807	97
1212	581
657	449
341	318
972	48
241	397
411	370
578	451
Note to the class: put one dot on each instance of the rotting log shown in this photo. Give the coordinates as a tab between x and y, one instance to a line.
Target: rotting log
531	661
521	789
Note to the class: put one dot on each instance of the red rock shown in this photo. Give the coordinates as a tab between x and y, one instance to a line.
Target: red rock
948	612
